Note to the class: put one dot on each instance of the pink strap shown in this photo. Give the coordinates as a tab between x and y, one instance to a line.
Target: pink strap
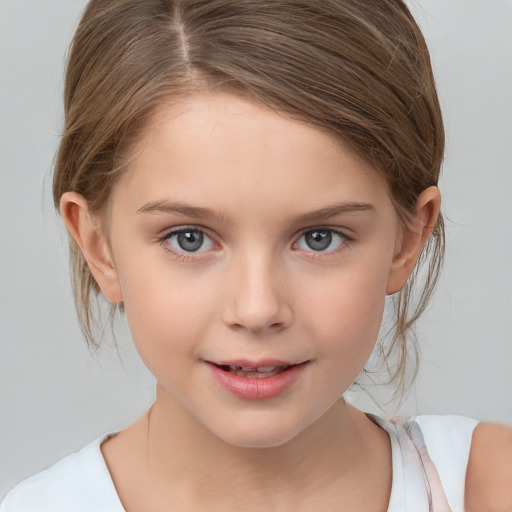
437	497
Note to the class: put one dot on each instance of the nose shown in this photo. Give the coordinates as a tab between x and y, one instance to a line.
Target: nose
256	296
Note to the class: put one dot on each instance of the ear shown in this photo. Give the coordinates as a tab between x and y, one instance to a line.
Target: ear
413	239
85	229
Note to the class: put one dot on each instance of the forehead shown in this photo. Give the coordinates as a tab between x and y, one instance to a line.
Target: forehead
222	149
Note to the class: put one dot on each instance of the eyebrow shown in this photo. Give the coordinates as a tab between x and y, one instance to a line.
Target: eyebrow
334	210
198	212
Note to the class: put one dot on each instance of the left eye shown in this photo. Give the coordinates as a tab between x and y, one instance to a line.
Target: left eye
189	240
320	240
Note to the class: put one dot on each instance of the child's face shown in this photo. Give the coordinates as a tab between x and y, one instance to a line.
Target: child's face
284	257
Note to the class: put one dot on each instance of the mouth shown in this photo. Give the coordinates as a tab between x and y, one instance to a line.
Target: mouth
256	380
260	372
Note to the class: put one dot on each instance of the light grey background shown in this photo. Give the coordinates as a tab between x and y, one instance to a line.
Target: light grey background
55	397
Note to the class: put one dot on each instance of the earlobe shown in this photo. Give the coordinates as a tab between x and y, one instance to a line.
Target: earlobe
414	236
86	230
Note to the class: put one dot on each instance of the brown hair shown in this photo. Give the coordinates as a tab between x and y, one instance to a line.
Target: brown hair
359	68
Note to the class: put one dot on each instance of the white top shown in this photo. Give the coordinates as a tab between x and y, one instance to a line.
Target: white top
430	456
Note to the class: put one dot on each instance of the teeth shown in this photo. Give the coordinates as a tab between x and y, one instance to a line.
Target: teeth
268	368
261	369
260	372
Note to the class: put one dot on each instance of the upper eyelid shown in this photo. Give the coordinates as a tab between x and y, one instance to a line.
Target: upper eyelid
167	233
180	229
206	231
339	231
164	240
324	228
325	255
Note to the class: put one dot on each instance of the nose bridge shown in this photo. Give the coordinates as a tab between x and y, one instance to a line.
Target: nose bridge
257	295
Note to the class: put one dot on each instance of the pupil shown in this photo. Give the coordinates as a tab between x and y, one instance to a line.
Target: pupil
190	240
319	240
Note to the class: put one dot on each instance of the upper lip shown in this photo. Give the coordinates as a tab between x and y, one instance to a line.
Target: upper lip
261	363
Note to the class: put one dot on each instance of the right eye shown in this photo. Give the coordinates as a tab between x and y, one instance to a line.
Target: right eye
188	240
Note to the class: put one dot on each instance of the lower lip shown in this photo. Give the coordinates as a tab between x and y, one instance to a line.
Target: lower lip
255	388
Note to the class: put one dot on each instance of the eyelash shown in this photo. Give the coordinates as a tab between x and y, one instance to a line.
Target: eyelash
182	256
319	255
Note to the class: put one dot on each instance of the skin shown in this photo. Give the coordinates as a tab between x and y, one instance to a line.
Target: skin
489	473
254	290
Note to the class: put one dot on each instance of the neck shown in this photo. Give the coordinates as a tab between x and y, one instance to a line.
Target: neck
335	452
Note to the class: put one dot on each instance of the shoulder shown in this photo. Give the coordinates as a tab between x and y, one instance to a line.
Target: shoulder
489	473
78	482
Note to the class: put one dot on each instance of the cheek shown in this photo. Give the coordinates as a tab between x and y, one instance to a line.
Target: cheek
346	311
167	313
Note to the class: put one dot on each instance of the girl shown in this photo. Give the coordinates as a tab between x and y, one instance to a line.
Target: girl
247	181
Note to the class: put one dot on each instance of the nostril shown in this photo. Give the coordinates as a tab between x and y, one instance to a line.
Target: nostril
256	313
275	327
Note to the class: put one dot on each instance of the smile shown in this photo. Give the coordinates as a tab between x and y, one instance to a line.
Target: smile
260	381
255	373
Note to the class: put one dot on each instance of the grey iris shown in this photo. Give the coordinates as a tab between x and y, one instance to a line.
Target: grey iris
190	241
318	240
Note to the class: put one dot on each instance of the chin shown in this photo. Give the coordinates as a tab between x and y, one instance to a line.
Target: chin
259	432
259	440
